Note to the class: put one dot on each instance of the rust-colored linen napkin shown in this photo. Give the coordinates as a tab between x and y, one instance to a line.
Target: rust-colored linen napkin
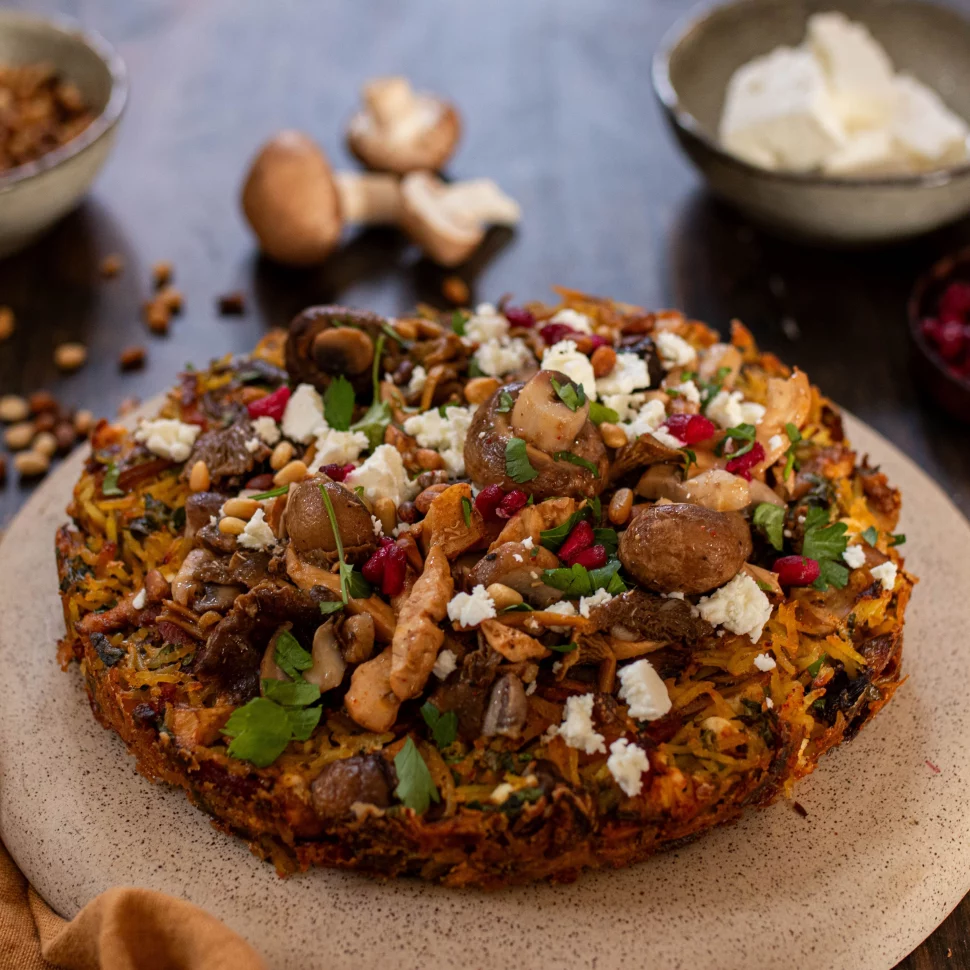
122	929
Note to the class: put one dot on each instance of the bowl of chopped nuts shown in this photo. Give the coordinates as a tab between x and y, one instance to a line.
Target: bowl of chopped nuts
62	92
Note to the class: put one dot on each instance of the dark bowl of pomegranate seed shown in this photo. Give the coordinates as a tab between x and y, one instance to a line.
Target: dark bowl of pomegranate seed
939	329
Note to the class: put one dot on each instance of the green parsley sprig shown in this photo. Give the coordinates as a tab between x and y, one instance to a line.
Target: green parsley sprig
517	464
444	727
415	787
825	543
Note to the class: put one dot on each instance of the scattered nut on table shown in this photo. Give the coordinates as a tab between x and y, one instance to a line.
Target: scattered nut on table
112	265
31	464
162	273
131	358
70	356
19	436
13	408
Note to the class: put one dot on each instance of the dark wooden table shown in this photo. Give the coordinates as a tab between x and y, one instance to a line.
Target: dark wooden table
558	108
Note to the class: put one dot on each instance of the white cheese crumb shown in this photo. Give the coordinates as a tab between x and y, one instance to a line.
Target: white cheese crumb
252	445
625	405
886	574
775	442
574	320
517	557
469	609
769	703
527	542
674	351
500	793
138	602
643	690
496	358
628	763
740	606
666	438
383	475
337	447
168	438
924	128
257	534
651	416
765	662
577	725
530	688
267	430
446	435
564	608
446	663
629	374
378	528
688	391
729	409
675	595
419	377
303	416
565	358
854	556
486	324
587	603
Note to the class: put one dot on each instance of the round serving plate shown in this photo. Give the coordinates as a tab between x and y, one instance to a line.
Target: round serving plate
876	865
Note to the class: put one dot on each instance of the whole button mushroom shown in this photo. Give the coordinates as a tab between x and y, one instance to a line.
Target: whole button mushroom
307	523
685	548
297	207
400	130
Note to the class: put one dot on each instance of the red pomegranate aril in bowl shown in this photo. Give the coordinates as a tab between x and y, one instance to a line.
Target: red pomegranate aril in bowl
488	500
579	539
796	570
955	301
592	558
951	339
690	428
271	406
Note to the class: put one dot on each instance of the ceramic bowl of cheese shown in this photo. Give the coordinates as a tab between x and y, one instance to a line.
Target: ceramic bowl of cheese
926	43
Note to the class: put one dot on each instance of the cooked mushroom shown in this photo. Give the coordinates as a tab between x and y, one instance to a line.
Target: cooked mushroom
448	221
296	207
362	778
714	489
549	420
356	636
519	568
507	710
685	548
542	418
328	666
186	583
269	669
307	523
400	130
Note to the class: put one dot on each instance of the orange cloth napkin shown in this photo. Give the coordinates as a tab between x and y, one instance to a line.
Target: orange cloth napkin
122	929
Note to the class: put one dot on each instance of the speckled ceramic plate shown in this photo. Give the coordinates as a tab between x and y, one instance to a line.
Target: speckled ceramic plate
880	860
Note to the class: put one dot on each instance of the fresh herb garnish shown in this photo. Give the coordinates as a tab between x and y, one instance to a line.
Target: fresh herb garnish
745	433
393	334
814	667
343	567
770	519
260	731
378	416
871	535
466	511
338	403
690	458
291	693
762	585
505	403
357	587
414	787
517	464
475	369
110	484
598	413
708	389
290	657
577	460
458	321
825	543
444	727
331	606
897	539
575	581
794	436
563	647
572	395
272	493
517	608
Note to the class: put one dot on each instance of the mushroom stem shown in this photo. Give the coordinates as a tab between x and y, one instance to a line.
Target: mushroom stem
369	199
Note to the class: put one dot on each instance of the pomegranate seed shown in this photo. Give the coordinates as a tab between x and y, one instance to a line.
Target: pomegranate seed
598	341
796	571
743	464
591	558
395	565
519	316
513	501
488	500
373	569
952	340
931	329
337	473
552	333
271	406
955	302
690	428
579	539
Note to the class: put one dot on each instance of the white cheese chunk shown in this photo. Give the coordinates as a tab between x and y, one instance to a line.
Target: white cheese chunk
739	606
729	409
267	430
496	358
469	609
854	557
139	599
253	445
628	763
765	662
168	438
629	374
337	447
446	435
587	603
419	377
574	320
650	417
886	574
779	112
303	416
577	728
446	664
626	406
500	793
383	475
869	152
666	438
688	391
485	324
924	128
257	534
565	608
643	690
565	358
674	351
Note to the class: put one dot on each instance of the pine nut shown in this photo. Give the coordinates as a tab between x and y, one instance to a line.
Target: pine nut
162	273
503	595
386	511
13	408
620	506
70	356
83	422
45	443
31	464
19	436
406	329
613	435
199	477
603	360
480	389
240	508
231	526
282	453
294	471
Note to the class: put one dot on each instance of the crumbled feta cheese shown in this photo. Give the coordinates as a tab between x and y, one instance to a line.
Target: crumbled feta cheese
446	435
446	664
765	662
577	725
530	689
886	574
527	543
501	793
625	405
674	351
378	528
564	608
257	534
650	417
666	438
865	153
643	690
419	377
303	416
854	556
924	128
739	605
769	703
337	447
469	609
628	763
517	557
565	358
587	603
775	442
168	437
486	324
252	445
688	391
267	430
497	358
574	320
629	374
383	475
729	409
675	595
138	602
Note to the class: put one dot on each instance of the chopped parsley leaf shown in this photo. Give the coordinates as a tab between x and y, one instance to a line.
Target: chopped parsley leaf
444	727
110	484
572	395
794	436
415	787
825	543
466	511
897	539
338	403
260	731
291	693
871	535
272	493
458	321
770	519
344	568
378	415
331	606
577	460
576	581
563	647
505	403
290	657
745	433
517	464
598	413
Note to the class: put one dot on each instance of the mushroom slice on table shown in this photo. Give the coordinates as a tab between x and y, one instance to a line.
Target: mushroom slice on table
401	130
448	221
297	207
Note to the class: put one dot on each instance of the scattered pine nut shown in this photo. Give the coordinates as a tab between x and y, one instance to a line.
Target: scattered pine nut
41	401
112	265
131	358
170	298
13	408
603	360
282	453
386	511
240	508
70	356
232	304
455	290
162	273
620	506
65	435
613	435
480	389
503	595
45	443
157	316
199	477
83	422
31	464
294	471
19	436
231	526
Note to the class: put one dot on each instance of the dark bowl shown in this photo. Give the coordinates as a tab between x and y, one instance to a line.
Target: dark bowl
952	393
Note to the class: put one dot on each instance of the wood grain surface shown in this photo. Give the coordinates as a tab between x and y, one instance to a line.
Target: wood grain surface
558	109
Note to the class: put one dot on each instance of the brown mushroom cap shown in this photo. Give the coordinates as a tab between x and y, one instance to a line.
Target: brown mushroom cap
490	432
291	201
307	523
400	130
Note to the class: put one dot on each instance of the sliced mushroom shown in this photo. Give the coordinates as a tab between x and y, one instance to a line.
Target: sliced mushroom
269	669
507	710
328	665
356	636
448	221
540	417
343	350
515	566
186	584
307	523
714	489
362	778
400	130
